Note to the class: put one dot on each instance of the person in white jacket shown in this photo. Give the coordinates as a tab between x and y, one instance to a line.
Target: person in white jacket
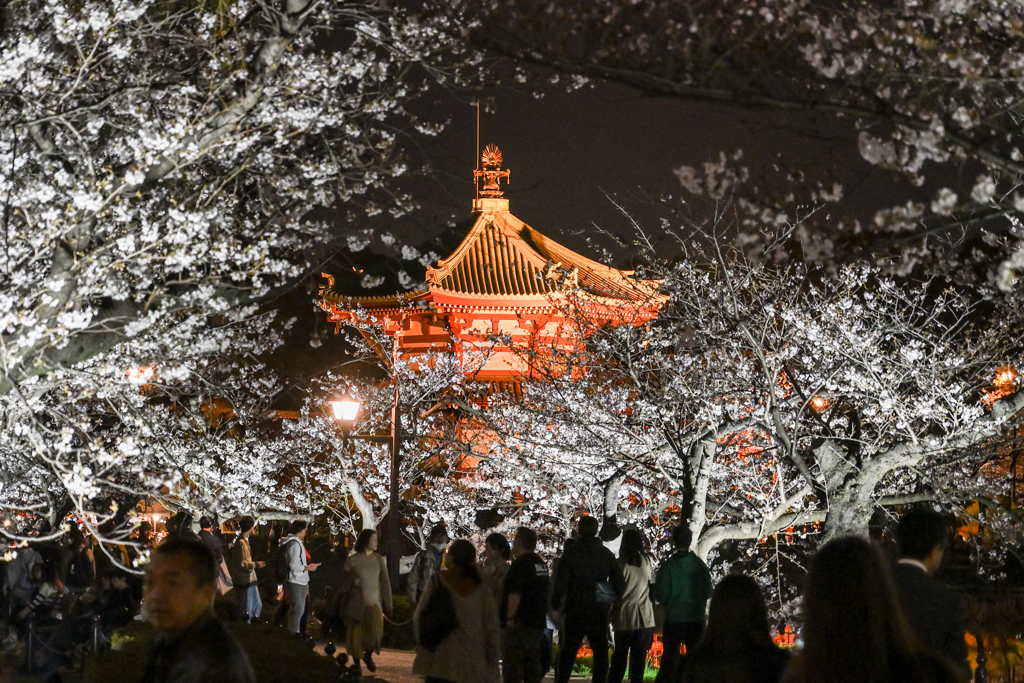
298	574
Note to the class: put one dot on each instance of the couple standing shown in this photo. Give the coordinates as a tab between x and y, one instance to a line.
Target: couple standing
370	590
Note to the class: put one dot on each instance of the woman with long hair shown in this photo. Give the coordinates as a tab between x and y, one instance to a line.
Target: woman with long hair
495	564
469	652
633	615
369	574
737	644
854	631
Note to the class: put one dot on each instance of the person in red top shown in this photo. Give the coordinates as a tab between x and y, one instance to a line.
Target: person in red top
297	581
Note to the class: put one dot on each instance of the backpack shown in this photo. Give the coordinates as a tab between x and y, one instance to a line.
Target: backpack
281	568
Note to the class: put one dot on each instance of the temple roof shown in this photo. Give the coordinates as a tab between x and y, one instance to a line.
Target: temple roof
504	259
503	263
493	260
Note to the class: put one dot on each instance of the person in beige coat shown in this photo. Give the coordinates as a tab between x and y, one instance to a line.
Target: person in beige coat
369	574
494	566
470	653
633	614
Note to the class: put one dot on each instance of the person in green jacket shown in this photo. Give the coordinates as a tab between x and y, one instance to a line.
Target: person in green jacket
683	586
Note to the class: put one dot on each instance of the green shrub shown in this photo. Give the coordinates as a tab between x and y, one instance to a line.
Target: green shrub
584	667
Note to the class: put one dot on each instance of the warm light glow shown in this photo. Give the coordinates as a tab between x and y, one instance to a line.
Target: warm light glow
346	409
1005	378
140	374
819	404
1003	384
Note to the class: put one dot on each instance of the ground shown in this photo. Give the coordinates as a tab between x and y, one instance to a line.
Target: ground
393	666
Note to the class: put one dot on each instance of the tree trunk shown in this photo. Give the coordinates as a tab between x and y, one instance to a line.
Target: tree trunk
366	512
612	489
702	455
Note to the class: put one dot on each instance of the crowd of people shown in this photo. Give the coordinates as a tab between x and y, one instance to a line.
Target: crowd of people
67	593
495	617
863	621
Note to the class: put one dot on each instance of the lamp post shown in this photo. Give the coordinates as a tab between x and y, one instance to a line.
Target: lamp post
346	410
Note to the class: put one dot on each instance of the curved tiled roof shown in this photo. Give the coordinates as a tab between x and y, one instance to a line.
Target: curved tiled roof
493	261
504	260
504	257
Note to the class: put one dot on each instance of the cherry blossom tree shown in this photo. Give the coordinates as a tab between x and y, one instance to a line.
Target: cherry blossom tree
161	170
768	401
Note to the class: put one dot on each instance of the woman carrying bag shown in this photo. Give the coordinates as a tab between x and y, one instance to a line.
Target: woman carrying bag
368	573
457	623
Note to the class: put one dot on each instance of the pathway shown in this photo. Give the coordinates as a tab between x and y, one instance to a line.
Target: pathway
395	666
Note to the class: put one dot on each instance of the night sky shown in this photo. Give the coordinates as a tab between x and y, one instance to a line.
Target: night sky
568	150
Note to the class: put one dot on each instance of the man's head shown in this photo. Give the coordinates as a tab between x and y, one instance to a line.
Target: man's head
525	541
438	536
179	587
205	523
298	528
246	525
922	535
682	537
587	526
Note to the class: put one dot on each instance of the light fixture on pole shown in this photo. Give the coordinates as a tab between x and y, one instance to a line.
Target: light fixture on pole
345	409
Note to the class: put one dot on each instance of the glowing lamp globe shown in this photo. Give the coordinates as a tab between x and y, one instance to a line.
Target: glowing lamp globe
345	409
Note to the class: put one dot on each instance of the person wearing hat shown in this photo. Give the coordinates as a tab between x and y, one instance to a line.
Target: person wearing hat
427	561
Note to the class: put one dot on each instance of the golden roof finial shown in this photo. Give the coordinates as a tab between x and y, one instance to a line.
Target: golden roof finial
492	173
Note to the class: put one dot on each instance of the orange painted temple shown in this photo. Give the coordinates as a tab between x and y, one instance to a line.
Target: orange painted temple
505	289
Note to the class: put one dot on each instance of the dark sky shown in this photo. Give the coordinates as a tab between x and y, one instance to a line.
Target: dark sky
568	150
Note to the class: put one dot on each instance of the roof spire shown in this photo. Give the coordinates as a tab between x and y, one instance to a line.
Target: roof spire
491	176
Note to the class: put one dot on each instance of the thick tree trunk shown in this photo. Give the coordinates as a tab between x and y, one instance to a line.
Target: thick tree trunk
366	512
612	490
702	455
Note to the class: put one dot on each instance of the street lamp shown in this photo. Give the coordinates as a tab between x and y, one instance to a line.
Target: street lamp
345	410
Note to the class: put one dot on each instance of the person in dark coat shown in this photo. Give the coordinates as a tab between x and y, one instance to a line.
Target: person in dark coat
935	613
193	647
210	540
853	628
737	644
587	584
523	611
180	526
82	568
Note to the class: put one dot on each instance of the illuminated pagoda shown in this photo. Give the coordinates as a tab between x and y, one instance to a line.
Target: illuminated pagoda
506	279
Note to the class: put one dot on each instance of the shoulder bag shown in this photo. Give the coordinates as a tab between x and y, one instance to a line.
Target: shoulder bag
437	620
